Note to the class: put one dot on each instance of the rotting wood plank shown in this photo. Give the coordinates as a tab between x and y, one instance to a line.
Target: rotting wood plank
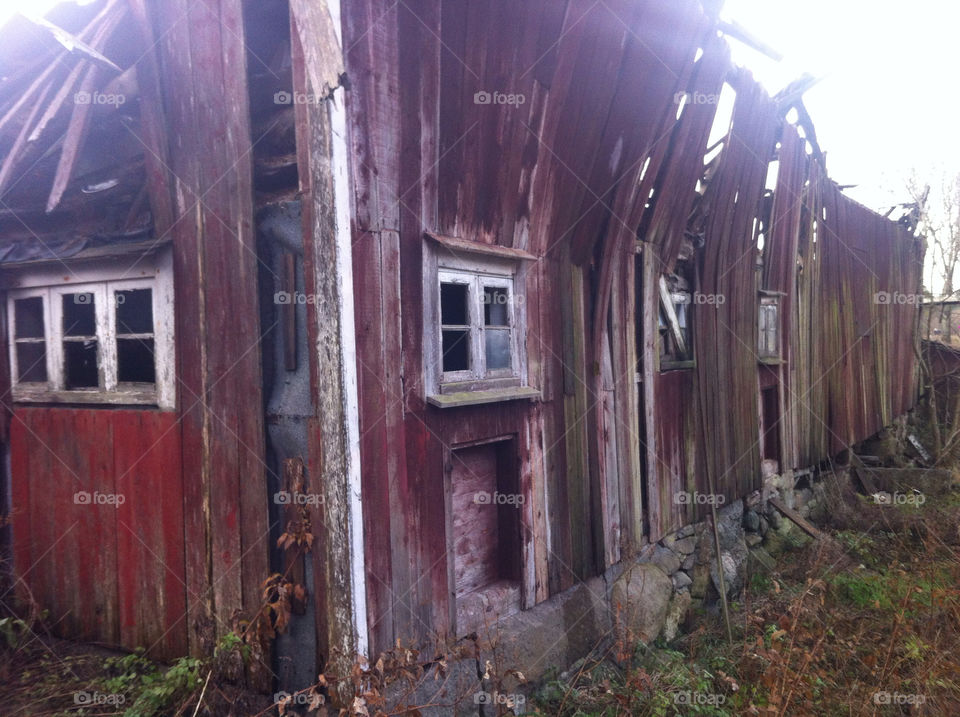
802	522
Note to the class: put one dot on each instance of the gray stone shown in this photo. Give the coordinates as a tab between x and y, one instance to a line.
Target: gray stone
764	526
681	580
686	546
640	598
676	614
730	524
555	633
666	560
689	562
753	540
669	541
775	519
687	530
733	574
751	521
452	694
701	580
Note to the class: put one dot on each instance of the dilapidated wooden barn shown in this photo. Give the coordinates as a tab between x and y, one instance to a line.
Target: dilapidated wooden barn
478	298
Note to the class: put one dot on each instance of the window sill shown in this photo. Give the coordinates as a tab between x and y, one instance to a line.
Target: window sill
676	365
115	398
476	398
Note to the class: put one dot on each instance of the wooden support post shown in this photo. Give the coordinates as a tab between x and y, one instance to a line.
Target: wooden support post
202	75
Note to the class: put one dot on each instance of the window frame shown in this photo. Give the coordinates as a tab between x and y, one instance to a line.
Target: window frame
667	303
477	266
767	301
103	279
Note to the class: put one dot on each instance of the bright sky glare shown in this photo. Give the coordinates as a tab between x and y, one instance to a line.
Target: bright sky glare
888	102
30	7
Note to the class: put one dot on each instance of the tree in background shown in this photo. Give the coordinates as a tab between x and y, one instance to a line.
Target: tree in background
938	219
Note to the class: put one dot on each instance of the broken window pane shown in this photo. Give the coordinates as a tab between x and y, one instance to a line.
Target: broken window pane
495	306
453	304
497	348
456	350
80	364
79	315
28	317
135	361
134	311
32	361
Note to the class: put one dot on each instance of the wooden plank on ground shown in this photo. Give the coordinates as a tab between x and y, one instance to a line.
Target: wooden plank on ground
804	524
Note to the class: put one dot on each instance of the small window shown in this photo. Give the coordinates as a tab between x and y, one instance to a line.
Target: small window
674	325
769	334
474	320
93	341
477	327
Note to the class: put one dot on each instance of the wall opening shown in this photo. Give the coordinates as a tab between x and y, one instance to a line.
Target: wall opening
485	540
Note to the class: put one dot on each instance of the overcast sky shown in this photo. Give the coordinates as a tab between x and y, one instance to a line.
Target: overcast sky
890	100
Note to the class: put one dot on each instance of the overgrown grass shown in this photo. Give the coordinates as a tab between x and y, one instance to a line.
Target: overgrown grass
44	677
865	622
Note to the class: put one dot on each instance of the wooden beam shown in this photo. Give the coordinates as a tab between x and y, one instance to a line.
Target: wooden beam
737	31
49	71
79	121
74	44
667	302
804	524
153	125
455	244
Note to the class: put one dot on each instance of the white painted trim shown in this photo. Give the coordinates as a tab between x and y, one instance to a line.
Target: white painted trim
476	271
348	349
49	282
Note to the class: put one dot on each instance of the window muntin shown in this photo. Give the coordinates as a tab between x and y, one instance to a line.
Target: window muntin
477	327
95	342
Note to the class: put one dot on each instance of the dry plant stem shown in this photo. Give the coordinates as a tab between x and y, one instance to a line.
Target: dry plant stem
202	693
573	682
720	574
803	668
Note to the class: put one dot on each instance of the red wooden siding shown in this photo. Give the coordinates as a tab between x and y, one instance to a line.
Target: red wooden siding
593	159
106	574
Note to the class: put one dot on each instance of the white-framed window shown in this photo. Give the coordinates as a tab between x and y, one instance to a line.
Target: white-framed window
478	327
85	334
474	323
769	331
